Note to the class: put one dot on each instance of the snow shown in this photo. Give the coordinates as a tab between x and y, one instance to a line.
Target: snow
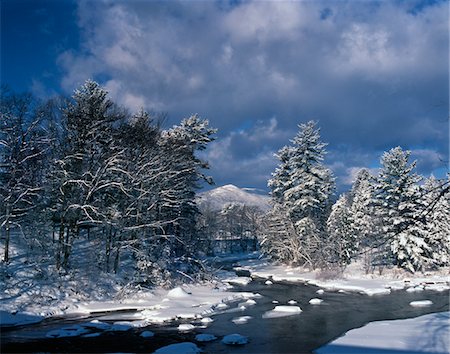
238	280
206	320
282	311
353	279
147	334
424	334
217	198
241	320
320	291
421	303
292	302
315	301
178	293
179	348
205	337
268	282
234	339
184	327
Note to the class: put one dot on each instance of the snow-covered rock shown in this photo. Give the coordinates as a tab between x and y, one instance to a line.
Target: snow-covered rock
184	327
268	282
206	320
282	311
421	303
178	293
179	348
292	302
241	320
235	339
205	337
315	301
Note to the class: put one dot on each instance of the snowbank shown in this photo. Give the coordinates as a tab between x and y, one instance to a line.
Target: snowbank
424	334
353	279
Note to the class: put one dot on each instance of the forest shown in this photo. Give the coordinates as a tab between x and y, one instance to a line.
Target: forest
84	168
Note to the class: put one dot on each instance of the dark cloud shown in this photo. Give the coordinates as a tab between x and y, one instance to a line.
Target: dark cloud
374	74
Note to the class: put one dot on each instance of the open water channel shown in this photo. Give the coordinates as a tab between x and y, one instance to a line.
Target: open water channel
315	326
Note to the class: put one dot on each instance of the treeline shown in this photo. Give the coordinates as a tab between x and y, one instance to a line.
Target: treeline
394	218
85	167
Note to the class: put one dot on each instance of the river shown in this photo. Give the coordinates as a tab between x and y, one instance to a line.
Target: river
315	326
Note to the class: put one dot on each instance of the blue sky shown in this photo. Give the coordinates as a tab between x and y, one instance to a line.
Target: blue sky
374	74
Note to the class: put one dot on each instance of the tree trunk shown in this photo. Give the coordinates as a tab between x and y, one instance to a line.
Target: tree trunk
108	249
7	238
59	247
117	258
67	247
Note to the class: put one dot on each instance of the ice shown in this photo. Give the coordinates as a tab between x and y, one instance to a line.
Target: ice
147	334
421	303
179	348
241	320
315	301
184	327
282	311
178	293
205	337
68	331
424	334
235	339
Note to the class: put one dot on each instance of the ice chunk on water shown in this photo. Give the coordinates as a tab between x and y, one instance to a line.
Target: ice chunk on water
241	320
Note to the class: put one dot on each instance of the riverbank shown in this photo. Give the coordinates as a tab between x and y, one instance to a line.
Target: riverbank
352	279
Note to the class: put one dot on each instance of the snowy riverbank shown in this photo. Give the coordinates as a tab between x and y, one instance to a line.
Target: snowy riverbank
352	279
424	334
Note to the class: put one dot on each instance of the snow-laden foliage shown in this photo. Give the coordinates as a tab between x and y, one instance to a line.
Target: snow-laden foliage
117	180
341	230
399	207
302	186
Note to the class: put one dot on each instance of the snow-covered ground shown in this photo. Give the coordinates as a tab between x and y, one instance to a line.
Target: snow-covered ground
424	334
352	279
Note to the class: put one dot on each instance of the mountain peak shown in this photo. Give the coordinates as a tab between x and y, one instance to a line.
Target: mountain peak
217	198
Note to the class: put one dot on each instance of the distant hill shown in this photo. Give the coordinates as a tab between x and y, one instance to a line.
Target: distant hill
217	198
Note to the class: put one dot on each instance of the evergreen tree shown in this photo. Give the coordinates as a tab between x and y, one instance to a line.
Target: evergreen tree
302	185
341	231
399	206
437	213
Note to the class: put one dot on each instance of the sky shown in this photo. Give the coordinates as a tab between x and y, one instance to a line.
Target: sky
373	74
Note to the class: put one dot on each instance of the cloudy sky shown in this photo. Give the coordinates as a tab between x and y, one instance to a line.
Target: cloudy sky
373	74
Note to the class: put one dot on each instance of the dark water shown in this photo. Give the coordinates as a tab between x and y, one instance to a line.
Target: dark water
314	327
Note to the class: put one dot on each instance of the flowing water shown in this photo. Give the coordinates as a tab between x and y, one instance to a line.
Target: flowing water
315	326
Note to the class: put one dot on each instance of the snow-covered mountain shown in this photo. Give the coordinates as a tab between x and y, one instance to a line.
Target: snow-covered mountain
216	198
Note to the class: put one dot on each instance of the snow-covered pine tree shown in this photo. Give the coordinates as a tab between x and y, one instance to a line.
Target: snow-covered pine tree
437	213
399	208
343	240
303	186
